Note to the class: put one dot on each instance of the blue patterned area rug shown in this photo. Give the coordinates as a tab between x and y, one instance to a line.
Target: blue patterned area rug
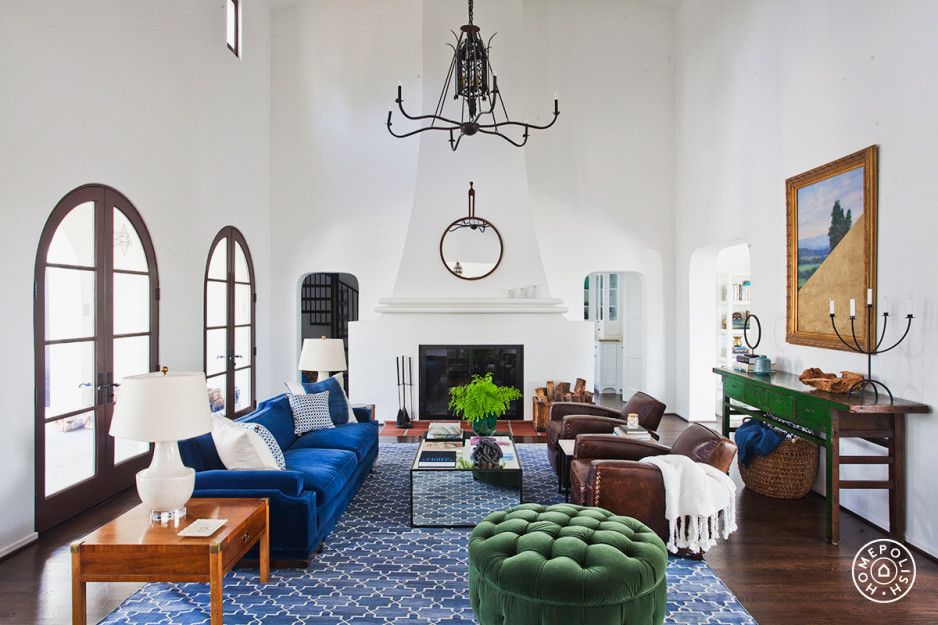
377	570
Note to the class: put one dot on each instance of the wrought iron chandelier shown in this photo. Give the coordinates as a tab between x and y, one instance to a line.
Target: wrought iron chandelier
469	72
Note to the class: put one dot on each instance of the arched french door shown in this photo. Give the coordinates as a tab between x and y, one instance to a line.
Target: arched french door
230	334
96	321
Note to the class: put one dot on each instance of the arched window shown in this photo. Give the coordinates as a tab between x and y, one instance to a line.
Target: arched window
96	320
230	336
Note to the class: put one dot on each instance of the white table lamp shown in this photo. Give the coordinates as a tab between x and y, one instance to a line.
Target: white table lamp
323	356
163	408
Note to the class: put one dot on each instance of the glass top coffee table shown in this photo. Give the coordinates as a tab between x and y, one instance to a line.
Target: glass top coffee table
454	494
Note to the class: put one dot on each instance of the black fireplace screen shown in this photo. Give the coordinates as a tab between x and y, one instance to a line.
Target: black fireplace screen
445	366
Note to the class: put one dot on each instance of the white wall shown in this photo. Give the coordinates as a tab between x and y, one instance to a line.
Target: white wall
594	192
144	97
342	188
766	90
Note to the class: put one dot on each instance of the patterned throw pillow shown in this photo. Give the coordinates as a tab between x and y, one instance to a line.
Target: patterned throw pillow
310	412
269	440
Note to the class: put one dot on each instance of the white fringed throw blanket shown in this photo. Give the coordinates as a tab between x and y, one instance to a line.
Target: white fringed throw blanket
699	502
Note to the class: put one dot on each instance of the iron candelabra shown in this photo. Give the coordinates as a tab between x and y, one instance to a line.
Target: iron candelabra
871	349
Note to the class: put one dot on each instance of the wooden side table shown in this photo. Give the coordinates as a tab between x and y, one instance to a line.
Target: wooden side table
131	548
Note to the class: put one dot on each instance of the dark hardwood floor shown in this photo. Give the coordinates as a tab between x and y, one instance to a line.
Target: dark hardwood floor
778	564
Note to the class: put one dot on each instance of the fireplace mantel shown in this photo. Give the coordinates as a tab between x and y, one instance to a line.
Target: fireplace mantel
470	305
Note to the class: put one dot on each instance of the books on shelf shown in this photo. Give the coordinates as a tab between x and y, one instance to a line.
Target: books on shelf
437	459
444	431
641	434
741	291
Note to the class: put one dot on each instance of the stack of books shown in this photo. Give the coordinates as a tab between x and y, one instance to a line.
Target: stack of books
640	434
444	432
433	459
746	363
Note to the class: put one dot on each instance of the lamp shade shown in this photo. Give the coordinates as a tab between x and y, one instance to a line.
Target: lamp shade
322	355
157	407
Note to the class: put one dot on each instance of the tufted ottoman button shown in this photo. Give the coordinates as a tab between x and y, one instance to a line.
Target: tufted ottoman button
566	565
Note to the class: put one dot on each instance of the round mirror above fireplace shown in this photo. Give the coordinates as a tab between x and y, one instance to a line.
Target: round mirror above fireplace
471	248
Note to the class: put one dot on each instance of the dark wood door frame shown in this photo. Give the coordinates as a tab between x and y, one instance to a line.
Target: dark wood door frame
231	236
108	478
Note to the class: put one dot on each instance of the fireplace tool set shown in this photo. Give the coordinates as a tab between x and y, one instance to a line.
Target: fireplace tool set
405	379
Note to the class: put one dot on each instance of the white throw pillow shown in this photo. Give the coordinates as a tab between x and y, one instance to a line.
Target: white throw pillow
295	388
310	412
240	448
351	413
269	440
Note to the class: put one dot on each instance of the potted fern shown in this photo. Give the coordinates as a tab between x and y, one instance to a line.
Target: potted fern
481	402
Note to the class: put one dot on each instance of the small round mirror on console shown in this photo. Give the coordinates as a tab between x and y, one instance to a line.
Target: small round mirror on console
471	247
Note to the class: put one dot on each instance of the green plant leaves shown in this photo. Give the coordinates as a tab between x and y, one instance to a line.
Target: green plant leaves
481	398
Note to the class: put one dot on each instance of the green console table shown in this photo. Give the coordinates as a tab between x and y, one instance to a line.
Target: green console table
830	417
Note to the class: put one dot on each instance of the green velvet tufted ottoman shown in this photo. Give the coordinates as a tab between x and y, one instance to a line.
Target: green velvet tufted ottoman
566	565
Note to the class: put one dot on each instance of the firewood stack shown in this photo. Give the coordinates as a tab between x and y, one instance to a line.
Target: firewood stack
560	391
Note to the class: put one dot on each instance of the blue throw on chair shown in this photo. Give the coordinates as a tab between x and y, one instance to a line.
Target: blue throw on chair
324	470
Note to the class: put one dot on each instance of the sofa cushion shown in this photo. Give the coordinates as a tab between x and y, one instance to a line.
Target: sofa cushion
338	404
325	471
240	446
354	437
275	415
310	412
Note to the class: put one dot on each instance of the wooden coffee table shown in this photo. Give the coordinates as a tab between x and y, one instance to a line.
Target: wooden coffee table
131	548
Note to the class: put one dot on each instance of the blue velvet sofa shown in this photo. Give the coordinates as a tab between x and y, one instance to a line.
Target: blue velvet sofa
324	470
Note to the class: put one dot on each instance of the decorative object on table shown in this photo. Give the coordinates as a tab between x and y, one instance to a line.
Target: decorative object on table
486	454
631	421
470	70
481	402
775	463
444	432
829	382
762	365
545	396
622	581
403	417
323	356
471	247
163	408
746	324
637	433
871	347
832	221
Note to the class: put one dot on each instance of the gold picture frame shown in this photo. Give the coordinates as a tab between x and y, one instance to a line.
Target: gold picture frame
839	264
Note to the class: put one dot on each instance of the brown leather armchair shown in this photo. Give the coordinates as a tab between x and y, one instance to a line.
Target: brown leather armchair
568	419
605	471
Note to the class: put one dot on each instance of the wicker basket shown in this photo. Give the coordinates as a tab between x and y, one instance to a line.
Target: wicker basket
786	473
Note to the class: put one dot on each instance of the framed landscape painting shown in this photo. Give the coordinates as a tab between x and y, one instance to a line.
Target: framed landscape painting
832	213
